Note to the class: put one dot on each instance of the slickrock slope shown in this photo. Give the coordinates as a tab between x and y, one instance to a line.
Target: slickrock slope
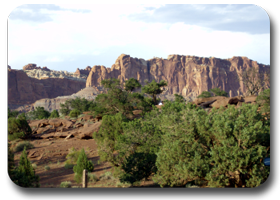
186	75
26	90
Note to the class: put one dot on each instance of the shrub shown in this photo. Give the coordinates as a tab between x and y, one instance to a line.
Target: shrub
92	178
68	166
47	167
12	113
106	176
18	128
222	148
82	163
25	144
65	184
54	114
24	174
74	113
39	113
204	94
34	166
72	156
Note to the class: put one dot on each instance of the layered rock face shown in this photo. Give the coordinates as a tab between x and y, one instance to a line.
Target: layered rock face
186	75
26	90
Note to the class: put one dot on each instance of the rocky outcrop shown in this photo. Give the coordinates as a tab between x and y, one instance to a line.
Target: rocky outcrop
34	66
83	71
43	74
186	75
26	90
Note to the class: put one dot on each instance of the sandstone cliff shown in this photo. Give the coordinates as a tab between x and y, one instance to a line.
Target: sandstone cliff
26	90
186	75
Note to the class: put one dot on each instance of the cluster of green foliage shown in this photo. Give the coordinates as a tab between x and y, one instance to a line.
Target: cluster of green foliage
214	92
263	100
82	163
182	143
153	88
12	113
208	147
54	114
23	175
39	113
179	98
18	128
74	113
79	104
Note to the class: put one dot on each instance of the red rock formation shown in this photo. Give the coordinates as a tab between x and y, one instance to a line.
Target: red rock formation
26	90
34	66
83	71
186	75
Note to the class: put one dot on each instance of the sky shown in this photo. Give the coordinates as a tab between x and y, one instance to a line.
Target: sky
67	36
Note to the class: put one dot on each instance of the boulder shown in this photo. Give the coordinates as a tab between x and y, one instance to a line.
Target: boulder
86	117
55	122
250	99
88	129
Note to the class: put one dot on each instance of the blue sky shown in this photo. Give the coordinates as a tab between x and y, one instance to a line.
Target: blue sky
67	36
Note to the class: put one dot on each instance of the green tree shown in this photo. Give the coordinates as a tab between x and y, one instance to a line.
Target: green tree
153	88
39	113
219	92
138	166
222	148
18	128
179	98
132	84
12	113
139	143
74	113
82	163
263	100
24	174
204	94
54	114
106	137
65	108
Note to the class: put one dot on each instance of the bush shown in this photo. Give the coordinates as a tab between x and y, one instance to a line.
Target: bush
39	113
65	184
92	178
47	167
82	163
74	113
68	166
20	146
18	128
54	114
72	156
12	113
24	175
222	148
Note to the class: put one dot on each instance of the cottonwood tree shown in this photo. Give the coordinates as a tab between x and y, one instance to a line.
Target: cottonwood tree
153	88
254	81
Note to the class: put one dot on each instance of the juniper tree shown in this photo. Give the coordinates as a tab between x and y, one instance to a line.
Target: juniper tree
54	114
153	88
132	84
204	94
223	148
82	163
179	98
24	174
18	128
219	92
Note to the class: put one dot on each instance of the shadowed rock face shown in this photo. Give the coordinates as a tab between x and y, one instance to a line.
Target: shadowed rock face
186	75
26	90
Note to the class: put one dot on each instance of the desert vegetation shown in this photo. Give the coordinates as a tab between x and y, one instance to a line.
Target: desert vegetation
177	144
